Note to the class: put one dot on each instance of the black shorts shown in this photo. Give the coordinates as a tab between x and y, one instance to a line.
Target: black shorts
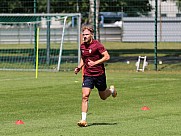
98	81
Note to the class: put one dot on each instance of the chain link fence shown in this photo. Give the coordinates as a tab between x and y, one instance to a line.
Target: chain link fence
128	28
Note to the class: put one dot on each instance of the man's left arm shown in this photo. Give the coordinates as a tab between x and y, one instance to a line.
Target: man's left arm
105	58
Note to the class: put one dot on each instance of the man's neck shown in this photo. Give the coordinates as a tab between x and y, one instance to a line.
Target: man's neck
88	43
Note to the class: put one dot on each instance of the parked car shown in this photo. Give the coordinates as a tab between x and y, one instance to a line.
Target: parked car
111	17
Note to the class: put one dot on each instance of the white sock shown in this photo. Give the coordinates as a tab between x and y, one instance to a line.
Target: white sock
84	115
112	90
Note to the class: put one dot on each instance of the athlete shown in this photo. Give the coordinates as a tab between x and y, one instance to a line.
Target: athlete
93	56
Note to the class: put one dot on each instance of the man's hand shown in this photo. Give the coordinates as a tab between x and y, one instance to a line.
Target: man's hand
76	70
91	63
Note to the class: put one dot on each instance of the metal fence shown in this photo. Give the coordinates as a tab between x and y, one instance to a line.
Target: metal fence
132	30
121	20
132	21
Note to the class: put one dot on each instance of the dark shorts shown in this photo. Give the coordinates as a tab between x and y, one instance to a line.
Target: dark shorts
98	81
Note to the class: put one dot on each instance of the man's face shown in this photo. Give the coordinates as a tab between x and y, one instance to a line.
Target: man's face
87	36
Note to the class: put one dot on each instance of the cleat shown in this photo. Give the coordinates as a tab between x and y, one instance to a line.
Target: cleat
114	93
82	123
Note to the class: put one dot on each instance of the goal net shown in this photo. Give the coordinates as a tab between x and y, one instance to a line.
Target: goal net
55	46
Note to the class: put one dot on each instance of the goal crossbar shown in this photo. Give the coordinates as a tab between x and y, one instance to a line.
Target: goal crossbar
4	18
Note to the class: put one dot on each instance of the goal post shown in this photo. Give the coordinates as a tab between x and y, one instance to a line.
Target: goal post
18	41
61	45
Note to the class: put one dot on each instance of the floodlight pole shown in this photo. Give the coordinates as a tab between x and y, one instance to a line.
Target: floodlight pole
156	41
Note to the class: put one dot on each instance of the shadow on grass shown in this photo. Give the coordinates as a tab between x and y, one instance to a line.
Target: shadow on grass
102	124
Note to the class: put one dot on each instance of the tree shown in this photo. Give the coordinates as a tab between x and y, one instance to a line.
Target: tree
178	3
93	16
16	6
132	8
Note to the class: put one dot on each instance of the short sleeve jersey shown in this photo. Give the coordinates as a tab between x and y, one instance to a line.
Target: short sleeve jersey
93	52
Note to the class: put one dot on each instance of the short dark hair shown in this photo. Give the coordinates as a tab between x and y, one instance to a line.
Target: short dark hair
88	27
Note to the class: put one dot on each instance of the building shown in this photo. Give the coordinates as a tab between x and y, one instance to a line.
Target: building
166	8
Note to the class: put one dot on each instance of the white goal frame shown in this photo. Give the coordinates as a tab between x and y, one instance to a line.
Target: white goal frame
64	17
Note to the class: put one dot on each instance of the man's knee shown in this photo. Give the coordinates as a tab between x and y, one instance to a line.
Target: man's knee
85	97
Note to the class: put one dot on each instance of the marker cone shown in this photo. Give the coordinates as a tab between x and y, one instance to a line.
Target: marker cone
145	108
19	122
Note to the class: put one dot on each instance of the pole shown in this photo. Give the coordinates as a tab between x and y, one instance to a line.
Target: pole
155	49
160	7
77	6
95	37
35	34
61	44
80	38
37	43
48	34
122	15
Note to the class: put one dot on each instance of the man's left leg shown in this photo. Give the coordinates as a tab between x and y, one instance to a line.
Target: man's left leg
101	85
109	91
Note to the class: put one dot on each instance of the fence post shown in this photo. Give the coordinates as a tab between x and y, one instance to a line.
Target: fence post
48	34
155	49
35	34
95	37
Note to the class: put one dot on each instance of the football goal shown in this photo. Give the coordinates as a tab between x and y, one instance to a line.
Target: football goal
39	41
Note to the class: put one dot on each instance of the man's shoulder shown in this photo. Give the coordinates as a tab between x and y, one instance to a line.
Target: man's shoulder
95	42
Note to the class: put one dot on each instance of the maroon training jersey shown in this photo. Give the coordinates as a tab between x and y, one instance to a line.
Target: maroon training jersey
92	51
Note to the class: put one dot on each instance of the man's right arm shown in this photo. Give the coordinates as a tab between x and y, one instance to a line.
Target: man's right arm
81	64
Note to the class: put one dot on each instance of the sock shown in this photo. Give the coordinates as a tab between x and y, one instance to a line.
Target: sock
84	114
112	90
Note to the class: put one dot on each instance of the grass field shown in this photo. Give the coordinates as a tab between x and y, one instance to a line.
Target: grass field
51	104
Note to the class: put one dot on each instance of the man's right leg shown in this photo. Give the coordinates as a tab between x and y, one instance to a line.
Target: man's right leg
85	97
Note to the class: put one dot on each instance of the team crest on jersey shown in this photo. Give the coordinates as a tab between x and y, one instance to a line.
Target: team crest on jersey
90	50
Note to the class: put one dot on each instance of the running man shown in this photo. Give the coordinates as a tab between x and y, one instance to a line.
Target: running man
93	56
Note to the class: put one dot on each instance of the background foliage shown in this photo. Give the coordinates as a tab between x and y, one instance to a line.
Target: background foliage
141	7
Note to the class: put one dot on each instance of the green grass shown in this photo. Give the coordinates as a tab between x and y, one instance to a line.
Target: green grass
142	45
108	45
51	104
